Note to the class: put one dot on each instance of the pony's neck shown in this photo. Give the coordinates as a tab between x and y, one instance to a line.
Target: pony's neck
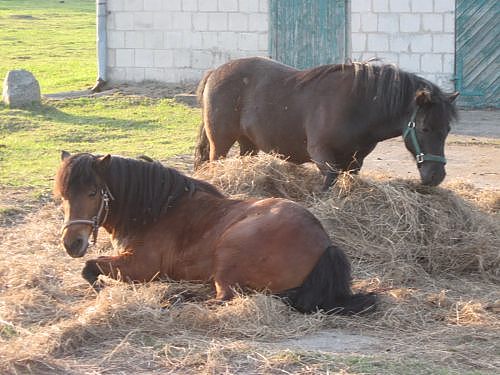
390	128
207	206
397	106
112	225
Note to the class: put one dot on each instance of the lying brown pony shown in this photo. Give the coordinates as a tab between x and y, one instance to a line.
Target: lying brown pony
168	225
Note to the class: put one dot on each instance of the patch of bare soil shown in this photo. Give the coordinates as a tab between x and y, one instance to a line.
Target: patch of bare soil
23	17
15	204
146	89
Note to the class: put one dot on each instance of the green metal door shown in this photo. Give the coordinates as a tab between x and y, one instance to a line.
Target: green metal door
307	33
477	60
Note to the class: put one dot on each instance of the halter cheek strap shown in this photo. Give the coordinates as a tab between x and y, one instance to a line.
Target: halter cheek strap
412	133
96	221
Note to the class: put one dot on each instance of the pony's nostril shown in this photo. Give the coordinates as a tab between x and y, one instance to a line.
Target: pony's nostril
76	245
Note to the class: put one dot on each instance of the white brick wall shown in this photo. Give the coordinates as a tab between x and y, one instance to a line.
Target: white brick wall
177	40
418	35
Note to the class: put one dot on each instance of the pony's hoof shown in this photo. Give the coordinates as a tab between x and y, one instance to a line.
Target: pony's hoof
174	300
98	286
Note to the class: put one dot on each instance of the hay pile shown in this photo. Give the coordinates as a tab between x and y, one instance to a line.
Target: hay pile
262	176
431	253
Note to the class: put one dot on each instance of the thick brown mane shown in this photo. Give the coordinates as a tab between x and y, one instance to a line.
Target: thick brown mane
143	191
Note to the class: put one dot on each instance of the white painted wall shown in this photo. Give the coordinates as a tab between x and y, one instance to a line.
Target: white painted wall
417	35
177	40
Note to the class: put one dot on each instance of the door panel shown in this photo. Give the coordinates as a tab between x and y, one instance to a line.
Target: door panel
478	53
307	33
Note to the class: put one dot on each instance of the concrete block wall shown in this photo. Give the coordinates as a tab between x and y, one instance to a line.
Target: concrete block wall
418	35
177	40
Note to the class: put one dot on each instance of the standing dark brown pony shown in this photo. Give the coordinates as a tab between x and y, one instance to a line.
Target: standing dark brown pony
333	115
168	225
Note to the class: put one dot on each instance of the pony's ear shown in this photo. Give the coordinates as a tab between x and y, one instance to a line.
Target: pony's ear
65	155
453	96
102	163
422	97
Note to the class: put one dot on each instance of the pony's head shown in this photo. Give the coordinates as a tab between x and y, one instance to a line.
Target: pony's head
426	132
85	199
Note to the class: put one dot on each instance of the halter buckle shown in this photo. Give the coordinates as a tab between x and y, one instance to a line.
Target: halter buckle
412	124
420	158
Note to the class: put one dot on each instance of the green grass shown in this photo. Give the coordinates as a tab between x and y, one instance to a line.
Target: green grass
31	139
54	40
415	366
325	362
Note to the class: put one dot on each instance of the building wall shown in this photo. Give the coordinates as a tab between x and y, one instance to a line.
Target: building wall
418	35
177	40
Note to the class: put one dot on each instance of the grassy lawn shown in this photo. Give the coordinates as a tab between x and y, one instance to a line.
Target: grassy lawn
52	39
31	139
56	41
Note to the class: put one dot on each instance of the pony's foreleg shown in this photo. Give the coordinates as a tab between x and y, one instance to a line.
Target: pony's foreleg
91	272
326	161
358	157
330	179
224	292
331	171
124	267
247	147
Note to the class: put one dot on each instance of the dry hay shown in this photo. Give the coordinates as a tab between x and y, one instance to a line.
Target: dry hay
431	253
262	176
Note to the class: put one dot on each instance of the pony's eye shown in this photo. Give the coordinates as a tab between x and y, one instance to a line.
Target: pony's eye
425	130
93	193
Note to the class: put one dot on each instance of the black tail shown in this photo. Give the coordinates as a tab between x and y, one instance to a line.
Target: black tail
328	288
202	151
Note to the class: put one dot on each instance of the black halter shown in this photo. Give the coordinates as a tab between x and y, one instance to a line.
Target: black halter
96	221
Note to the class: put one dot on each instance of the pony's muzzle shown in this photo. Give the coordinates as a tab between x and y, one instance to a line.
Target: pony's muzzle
75	246
431	173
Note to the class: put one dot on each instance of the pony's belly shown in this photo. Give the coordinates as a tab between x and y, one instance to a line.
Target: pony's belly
291	150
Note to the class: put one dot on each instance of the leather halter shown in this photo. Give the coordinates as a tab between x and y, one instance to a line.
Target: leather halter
96	221
419	155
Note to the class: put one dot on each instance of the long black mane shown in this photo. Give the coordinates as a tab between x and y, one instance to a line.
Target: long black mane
385	86
143	191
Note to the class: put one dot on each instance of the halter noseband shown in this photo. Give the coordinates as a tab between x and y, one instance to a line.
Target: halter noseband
419	155
96	221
